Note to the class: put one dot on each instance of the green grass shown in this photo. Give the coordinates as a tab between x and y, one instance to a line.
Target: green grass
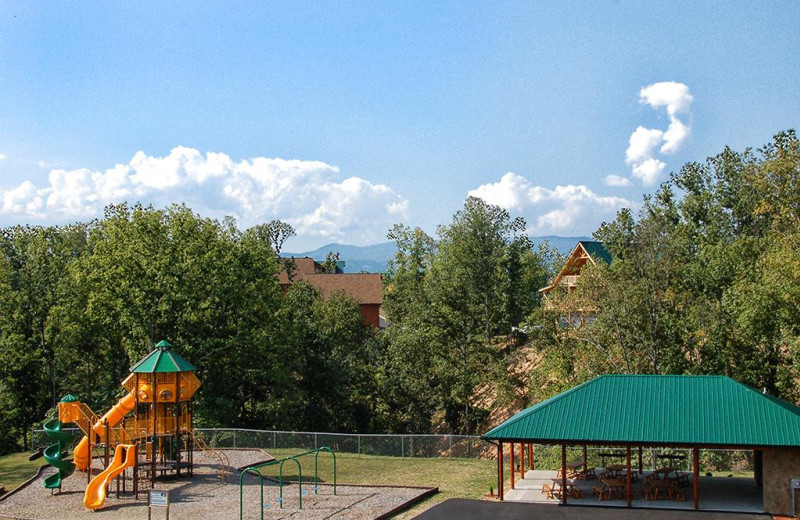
455	478
16	469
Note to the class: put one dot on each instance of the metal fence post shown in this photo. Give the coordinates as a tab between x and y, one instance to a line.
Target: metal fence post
359	444
402	446
315	442
234	438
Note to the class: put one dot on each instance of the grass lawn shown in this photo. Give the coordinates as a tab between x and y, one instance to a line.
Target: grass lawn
455	478
16	469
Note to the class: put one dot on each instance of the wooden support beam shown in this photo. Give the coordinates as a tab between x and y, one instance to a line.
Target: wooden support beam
511	459
530	455
628	492
696	464
640	460
521	460
584	458
564	474
500	470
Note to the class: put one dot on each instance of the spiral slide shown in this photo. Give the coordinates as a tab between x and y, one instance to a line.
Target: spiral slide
52	454
113	416
124	457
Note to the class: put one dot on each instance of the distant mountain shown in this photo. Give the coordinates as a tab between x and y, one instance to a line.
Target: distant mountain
564	245
373	259
370	259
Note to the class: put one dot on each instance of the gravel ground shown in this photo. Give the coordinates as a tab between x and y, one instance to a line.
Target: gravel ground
204	497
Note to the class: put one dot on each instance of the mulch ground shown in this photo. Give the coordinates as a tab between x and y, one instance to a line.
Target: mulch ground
205	497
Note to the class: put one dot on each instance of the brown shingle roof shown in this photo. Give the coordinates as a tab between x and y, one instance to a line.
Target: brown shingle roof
302	267
364	287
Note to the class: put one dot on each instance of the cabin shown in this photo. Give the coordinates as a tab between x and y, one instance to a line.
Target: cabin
586	252
366	288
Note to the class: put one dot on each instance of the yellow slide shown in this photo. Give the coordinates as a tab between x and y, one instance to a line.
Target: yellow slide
124	457
113	416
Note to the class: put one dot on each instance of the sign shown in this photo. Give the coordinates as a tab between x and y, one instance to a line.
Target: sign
159	498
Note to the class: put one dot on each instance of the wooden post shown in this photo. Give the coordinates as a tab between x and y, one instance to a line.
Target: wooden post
511	453
584	458
500	470
564	474
628	472
640	460
530	455
155	438
521	460
696	464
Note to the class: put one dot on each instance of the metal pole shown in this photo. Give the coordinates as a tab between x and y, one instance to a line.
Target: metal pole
402	446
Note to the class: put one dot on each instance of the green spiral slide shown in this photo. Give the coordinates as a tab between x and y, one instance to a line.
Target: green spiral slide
52	454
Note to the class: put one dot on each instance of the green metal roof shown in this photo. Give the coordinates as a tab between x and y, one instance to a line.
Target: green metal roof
597	250
162	359
659	411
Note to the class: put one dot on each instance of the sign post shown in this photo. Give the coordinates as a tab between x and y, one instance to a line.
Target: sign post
157	498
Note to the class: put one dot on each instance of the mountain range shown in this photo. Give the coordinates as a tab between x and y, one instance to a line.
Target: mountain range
373	258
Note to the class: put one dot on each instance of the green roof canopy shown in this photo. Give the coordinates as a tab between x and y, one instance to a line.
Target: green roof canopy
162	359
652	410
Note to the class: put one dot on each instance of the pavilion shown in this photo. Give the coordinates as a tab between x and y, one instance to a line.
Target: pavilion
665	411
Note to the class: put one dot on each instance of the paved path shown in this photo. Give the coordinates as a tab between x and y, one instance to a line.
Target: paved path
464	509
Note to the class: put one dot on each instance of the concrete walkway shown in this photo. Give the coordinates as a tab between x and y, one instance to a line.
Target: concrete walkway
463	509
716	493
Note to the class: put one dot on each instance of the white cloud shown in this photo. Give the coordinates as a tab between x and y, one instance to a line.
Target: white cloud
309	195
3	156
642	144
563	209
641	153
649	171
670	94
616	181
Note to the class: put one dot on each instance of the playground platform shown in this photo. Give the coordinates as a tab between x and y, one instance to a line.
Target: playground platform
204	497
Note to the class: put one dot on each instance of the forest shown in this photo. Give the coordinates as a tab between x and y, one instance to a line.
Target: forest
705	279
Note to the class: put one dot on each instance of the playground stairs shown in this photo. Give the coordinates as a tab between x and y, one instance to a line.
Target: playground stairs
225	471
80	414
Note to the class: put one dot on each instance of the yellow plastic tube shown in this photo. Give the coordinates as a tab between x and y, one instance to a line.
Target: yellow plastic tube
113	416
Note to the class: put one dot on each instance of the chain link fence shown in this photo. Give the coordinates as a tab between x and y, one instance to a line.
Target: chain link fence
391	445
455	446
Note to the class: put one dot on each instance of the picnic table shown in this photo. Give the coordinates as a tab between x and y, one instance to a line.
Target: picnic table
572	468
557	490
611	455
612	487
666	471
671	456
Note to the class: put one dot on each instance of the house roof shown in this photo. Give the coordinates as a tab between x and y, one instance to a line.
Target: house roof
162	359
596	250
657	410
584	251
364	287
302	267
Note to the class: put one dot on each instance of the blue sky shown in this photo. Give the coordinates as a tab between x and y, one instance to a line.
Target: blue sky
343	118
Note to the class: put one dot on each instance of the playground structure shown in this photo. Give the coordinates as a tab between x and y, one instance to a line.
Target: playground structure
280	462
149	430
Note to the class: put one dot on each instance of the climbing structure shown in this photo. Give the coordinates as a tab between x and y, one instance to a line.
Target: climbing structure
149	430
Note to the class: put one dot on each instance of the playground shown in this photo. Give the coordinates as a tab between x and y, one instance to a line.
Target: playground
204	496
145	447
